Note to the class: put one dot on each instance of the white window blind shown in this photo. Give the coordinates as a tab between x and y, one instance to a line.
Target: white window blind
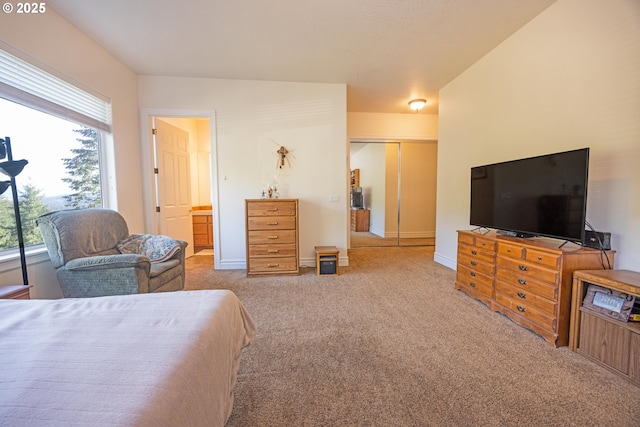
28	85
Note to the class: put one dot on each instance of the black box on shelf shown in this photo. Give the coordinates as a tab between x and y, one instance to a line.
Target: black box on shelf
328	264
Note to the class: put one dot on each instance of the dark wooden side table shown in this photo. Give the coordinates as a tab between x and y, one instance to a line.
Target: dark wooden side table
15	292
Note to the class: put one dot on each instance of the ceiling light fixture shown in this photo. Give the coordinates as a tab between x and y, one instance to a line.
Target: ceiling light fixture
417	104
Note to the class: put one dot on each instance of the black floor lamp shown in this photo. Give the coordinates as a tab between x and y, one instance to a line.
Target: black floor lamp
12	168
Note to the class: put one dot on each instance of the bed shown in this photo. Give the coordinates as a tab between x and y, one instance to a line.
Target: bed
166	359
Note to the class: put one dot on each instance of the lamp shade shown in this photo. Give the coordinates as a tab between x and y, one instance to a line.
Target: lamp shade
417	104
4	185
13	168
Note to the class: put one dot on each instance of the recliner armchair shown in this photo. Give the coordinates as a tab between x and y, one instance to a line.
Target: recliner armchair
83	247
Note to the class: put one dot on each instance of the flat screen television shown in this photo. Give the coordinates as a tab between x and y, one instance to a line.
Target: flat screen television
357	198
537	196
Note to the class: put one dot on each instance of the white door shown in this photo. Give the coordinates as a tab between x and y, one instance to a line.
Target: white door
174	183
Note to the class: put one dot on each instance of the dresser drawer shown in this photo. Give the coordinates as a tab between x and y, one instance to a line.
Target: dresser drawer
525	282
526	310
271	223
271	208
528	270
271	250
475	264
527	298
477	253
545	258
272	237
275	264
510	251
477	241
476	281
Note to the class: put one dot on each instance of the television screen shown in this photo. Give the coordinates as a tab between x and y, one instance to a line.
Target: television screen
357	199
536	196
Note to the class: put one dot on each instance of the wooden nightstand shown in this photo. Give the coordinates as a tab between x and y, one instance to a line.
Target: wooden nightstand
327	258
607	341
15	292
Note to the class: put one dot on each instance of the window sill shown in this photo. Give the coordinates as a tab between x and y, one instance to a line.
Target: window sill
10	260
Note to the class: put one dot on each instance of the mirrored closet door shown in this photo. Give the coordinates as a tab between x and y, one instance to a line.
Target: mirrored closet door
393	193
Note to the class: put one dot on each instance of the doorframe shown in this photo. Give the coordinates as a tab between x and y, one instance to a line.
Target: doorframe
148	185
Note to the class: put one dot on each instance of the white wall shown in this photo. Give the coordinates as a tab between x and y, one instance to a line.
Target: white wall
253	119
568	79
53	41
364	126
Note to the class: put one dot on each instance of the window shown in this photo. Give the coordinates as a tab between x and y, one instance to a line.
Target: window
58	128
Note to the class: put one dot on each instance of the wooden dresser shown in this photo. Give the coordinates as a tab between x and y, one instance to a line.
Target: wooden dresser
360	219
272	236
527	280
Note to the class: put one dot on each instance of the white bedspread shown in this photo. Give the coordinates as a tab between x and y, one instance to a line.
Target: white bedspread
165	359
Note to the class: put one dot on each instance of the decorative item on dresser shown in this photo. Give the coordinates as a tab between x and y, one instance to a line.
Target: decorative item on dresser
527	280
272	236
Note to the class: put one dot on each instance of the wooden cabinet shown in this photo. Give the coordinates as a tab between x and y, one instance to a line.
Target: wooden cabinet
609	342
272	236
527	280
355	178
202	232
15	292
360	219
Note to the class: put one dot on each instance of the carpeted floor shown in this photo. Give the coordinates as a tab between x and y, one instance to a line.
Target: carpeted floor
389	342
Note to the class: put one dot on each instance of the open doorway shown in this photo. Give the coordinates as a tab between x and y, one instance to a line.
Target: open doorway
194	180
393	185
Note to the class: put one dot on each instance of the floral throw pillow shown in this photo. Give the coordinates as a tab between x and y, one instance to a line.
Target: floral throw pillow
157	248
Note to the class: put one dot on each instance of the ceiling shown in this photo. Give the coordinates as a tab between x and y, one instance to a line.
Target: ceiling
386	51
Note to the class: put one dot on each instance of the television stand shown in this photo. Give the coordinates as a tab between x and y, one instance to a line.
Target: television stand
529	281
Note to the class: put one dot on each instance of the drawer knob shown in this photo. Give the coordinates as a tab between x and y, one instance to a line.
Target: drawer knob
473	263
273	251
522	295
521	308
272	209
272	237
273	265
522	281
473	285
539	258
272	223
473	274
474	252
523	267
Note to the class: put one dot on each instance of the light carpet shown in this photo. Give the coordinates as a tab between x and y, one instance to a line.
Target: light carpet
389	342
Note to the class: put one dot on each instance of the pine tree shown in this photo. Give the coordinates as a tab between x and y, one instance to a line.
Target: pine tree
31	207
8	237
84	172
